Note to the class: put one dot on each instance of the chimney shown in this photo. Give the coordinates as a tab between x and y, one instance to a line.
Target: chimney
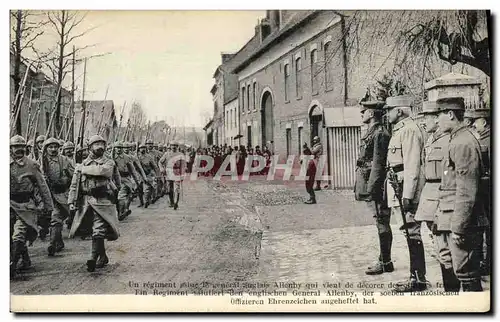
274	18
265	29
226	56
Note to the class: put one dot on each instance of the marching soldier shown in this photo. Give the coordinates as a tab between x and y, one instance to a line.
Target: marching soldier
138	167
127	177
58	171
91	196
29	148
163	164
370	176
25	178
481	124
175	167
404	159
317	151
68	150
37	151
151	170
154	156
435	151
460	218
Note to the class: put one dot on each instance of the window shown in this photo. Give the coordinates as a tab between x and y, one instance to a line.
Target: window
243	99
298	69
248	97
328	66
314	60
255	95
287	80
288	141
299	139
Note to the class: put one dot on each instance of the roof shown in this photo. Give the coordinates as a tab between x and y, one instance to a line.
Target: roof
213	89
208	125
295	21
231	97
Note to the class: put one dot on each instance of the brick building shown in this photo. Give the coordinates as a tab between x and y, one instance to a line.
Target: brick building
41	92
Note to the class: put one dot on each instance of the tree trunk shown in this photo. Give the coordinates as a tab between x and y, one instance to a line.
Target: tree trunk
57	124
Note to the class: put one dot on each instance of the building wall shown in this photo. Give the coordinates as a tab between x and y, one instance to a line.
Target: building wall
231	122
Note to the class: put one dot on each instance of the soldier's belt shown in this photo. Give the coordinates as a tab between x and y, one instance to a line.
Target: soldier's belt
433	180
398	168
20	198
96	192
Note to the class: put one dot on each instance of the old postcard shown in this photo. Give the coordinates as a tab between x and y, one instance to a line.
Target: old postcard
250	161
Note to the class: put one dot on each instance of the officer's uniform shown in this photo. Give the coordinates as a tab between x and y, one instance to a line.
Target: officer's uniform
404	158
127	183
58	171
151	170
485	188
460	208
317	152
369	185
95	211
25	179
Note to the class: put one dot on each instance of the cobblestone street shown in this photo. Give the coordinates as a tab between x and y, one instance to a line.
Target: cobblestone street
226	231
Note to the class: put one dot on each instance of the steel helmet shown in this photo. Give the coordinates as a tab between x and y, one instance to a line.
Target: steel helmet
149	141
61	142
68	145
142	145
51	141
40	138
30	143
96	138
17	140
119	144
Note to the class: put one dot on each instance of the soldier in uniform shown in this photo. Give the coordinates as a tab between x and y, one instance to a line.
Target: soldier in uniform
404	159
317	151
173	168
151	170
29	147
68	150
461	217
481	124
311	175
435	151
370	176
37	151
138	167
162	164
25	179
152	152
58	171
91	196
127	177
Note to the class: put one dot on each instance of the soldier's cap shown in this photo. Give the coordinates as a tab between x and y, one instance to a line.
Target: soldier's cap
96	138
40	138
374	105
17	140
451	104
68	145
429	107
478	113
50	141
398	101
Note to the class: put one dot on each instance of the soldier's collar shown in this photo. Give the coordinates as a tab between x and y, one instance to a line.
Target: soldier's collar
400	124
458	129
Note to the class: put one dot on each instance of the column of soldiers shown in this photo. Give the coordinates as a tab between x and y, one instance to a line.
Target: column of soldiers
437	174
90	187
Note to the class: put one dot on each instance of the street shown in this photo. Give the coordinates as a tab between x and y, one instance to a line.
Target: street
227	231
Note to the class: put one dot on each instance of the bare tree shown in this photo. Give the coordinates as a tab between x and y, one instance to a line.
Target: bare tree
26	27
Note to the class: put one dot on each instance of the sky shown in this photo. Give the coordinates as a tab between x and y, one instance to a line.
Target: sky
163	59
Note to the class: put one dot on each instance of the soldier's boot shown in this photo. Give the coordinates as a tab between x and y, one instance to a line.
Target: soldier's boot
141	199
450	281
91	263
417	281
170	198
25	259
384	264
103	259
311	201
121	210
472	286
176	204
16	255
59	238
51	250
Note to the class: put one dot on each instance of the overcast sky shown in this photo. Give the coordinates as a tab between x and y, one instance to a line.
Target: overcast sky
163	59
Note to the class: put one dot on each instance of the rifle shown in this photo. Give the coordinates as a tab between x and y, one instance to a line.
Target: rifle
102	112
18	100
392	177
118	131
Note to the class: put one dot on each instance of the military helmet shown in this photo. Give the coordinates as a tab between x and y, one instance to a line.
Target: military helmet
40	138
30	143
142	145
149	141
61	142
68	145
50	141
17	140
118	144
96	138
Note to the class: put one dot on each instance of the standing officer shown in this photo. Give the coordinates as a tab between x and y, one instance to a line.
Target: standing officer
481	124
370	176
404	159
58	171
435	151
95	210
317	151
25	179
151	170
460	219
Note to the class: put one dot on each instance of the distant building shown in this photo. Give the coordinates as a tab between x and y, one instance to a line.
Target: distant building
41	92
99	113
209	132
231	122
